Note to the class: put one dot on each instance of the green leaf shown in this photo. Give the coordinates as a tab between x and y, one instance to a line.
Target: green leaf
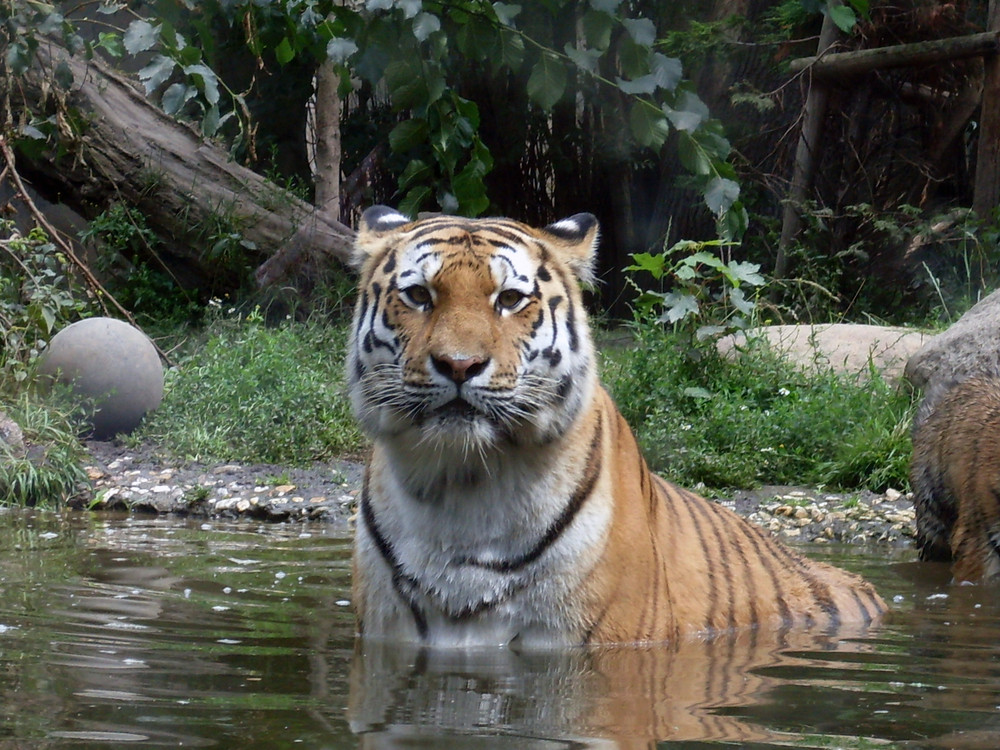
206	81
410	8
652	264
176	96
470	190
740	301
703	258
547	81
585	59
506	12
692	156
746	273
140	36
649	126
642	30
605	6
844	17
63	75
597	27
688	113
476	38
156	72
111	43
18	58
339	49
416	172
668	70
211	122
425	24
284	52
511	49
408	135
733	223
678	305
720	194
644	85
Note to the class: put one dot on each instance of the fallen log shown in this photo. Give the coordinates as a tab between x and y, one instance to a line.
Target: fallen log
837	64
122	147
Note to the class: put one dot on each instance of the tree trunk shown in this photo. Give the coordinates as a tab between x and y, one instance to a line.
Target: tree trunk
805	155
126	149
328	150
986	191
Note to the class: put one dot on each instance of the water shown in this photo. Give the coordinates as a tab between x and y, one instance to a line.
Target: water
143	632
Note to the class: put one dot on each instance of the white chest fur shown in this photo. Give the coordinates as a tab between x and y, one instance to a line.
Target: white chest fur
479	554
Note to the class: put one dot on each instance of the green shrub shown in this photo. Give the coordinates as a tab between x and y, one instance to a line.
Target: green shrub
703	418
253	393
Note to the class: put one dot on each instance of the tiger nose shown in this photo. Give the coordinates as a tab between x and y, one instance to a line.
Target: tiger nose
459	369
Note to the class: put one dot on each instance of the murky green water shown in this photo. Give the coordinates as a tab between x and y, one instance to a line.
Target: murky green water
140	632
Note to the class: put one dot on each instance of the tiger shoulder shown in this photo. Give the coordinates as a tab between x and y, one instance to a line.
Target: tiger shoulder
955	477
506	500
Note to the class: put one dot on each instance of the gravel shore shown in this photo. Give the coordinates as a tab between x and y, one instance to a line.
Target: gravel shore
142	480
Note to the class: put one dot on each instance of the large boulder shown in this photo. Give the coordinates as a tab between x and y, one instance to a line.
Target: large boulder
844	347
970	346
112	367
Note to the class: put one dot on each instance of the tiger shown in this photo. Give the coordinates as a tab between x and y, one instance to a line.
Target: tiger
506	501
955	477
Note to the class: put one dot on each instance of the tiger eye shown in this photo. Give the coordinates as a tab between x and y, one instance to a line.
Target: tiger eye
418	295
509	299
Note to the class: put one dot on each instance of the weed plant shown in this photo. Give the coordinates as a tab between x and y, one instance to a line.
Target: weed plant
255	393
50	470
705	419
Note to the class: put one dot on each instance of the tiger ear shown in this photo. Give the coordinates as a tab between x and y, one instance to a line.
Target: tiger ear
577	238
376	225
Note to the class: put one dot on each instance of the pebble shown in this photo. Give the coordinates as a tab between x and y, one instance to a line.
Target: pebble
124	482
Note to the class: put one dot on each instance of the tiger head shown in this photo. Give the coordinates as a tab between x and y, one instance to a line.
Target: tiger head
469	334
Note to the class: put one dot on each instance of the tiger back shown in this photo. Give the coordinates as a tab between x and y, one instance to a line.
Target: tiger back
955	477
506	500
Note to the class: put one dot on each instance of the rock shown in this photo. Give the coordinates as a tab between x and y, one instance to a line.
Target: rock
968	347
111	365
11	437
844	347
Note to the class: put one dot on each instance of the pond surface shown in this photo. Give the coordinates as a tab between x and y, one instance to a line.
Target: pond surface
150	632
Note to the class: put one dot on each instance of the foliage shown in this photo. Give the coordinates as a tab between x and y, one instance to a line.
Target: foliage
38	294
419	52
956	257
249	392
50	471
755	418
706	290
133	271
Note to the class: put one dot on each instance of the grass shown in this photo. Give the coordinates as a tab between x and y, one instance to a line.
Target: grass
704	419
249	392
51	470
245	391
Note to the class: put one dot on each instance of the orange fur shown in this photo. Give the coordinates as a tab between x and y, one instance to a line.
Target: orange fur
507	500
955	477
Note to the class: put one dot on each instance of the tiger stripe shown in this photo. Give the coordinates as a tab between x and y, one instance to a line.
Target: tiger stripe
506	499
954	477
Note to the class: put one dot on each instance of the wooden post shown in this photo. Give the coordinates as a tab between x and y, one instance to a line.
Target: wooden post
986	190
805	153
842	64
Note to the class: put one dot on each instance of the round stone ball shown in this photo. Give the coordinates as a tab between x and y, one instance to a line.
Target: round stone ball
112	367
